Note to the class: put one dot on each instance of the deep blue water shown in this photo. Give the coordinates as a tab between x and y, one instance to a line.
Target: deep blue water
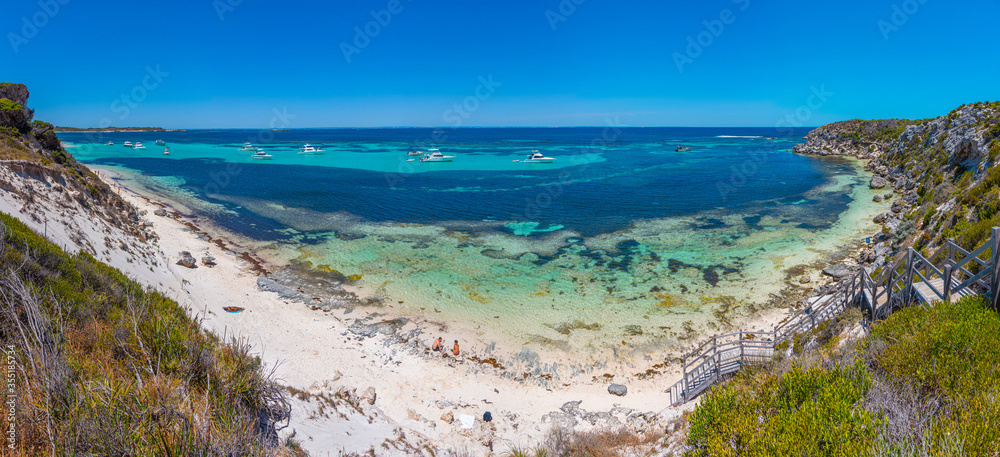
623	175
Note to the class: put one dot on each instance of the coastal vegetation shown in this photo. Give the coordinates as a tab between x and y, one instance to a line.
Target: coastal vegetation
104	366
97	364
922	383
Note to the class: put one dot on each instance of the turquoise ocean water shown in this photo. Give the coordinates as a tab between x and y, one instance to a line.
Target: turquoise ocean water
621	239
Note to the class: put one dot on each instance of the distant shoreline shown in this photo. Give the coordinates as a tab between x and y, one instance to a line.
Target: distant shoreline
114	130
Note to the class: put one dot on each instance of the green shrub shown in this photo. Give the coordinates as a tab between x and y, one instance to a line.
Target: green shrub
949	352
802	412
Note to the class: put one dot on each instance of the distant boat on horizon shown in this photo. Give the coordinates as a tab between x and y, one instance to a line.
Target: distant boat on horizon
127	144
161	143
248	147
138	145
166	151
682	149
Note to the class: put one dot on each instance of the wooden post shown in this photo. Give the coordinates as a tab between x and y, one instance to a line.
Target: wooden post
715	355
947	281
995	273
951	249
741	347
909	270
889	284
684	377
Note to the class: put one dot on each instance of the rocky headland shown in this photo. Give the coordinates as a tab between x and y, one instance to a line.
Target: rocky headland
939	173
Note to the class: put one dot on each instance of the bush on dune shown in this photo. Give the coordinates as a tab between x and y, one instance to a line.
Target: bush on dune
108	368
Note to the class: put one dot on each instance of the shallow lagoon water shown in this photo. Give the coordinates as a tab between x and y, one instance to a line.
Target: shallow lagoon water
620	242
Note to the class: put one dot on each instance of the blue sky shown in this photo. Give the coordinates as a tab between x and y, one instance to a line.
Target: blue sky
232	63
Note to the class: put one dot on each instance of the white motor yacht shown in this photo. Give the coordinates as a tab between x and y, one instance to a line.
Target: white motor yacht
433	155
127	144
261	155
166	151
138	145
309	150
248	147
537	157
161	143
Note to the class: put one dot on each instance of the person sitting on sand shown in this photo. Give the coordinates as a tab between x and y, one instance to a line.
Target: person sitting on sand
455	349
436	347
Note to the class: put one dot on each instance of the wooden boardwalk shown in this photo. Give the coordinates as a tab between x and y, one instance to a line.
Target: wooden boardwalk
948	274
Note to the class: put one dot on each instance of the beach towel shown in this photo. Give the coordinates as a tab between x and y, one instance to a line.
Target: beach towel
467	421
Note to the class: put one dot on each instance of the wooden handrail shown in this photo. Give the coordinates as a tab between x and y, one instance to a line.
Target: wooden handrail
705	365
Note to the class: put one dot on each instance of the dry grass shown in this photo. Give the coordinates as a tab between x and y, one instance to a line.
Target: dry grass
619	442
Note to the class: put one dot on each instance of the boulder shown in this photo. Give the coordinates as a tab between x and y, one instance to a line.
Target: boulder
448	417
877	182
838	271
867	256
881	218
617	389
805	280
897	206
877	198
160	212
887	196
187	260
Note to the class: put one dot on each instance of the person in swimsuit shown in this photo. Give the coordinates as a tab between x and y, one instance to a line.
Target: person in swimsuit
436	347
455	349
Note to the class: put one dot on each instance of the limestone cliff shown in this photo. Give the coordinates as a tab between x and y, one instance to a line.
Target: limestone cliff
941	170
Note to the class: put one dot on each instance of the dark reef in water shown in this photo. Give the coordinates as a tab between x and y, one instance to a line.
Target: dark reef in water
709	273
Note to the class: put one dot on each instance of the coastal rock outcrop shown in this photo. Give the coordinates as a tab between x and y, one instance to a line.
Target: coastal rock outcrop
838	271
877	182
